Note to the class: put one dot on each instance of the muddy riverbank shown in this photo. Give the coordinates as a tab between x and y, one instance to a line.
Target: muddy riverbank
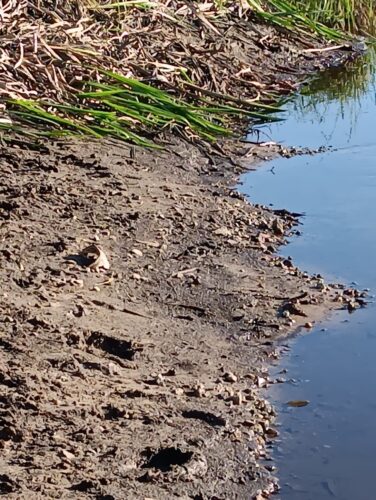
141	380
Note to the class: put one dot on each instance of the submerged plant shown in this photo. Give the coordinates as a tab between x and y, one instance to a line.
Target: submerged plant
340	92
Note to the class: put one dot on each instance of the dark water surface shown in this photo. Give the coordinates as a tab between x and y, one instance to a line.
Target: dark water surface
327	450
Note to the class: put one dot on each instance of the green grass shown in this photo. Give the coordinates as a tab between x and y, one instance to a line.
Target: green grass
134	111
330	19
346	15
285	14
129	110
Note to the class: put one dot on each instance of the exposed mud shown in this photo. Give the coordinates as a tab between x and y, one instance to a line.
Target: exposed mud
141	381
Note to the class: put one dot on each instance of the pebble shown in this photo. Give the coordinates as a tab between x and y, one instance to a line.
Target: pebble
237	398
272	433
261	382
238	315
199	391
230	377
137	252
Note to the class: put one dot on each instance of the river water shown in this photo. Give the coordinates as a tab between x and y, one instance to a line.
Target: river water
327	449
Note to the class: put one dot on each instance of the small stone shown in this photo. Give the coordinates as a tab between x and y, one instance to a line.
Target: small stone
236	436
137	252
223	231
68	455
261	382
248	423
230	391
259	497
113	369
308	325
351	306
278	227
199	391
270	468
272	433
237	398
77	282
230	377
238	315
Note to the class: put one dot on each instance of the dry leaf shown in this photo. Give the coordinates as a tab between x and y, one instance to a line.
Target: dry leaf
184	272
97	257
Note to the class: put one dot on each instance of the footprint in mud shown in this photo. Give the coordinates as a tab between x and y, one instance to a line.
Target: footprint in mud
112	412
165	458
7	485
172	460
205	416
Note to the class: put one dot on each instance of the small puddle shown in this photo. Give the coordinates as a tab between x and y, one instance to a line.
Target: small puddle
326	449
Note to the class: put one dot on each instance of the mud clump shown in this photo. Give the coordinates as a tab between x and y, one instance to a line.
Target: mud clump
123	349
205	416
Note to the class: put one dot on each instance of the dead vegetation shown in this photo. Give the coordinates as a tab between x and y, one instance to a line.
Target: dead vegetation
193	53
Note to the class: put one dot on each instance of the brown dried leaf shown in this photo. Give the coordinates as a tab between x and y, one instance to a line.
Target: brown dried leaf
97	256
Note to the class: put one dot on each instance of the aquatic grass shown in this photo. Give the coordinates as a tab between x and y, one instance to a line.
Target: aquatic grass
129	110
346	84
286	15
348	15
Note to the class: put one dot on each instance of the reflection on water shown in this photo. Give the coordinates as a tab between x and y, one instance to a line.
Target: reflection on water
336	109
326	449
336	190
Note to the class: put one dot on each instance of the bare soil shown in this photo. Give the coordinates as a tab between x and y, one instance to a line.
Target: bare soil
142	381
